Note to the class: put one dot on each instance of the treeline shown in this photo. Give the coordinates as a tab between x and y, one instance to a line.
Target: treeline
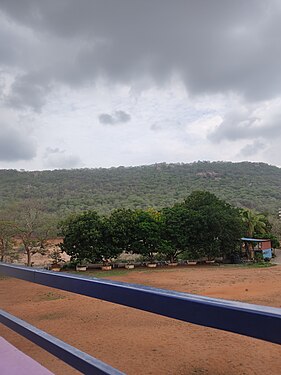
61	192
201	226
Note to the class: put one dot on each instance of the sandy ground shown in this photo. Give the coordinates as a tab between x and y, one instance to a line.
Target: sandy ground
137	342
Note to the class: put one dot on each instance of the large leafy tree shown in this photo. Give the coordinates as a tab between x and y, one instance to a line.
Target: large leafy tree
220	227
136	231
87	238
147	237
179	229
122	229
203	225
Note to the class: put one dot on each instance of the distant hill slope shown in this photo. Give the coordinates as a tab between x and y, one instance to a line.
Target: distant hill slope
252	185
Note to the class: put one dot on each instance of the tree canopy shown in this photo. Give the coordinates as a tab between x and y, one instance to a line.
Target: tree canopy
202	225
87	238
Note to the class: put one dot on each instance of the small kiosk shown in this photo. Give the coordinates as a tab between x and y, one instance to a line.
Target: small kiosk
257	245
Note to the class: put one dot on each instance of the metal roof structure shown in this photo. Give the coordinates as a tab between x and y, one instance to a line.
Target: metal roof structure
254	239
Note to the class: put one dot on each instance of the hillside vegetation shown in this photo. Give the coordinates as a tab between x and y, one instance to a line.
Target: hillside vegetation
252	185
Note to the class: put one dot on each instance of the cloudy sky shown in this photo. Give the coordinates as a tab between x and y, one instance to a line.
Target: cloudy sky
94	83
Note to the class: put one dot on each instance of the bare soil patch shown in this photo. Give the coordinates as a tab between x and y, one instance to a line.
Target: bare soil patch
137	342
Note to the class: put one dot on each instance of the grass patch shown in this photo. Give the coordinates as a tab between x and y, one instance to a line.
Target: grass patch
52	316
250	265
50	296
261	265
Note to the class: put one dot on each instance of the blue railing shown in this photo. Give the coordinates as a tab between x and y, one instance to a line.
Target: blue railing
256	321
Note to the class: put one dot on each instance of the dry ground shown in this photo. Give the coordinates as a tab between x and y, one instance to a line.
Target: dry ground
137	342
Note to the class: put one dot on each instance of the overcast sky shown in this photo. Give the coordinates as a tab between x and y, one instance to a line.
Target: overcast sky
94	83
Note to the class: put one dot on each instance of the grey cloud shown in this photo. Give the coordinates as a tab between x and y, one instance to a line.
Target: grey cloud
252	149
51	150
122	116
27	91
105	118
55	158
117	117
244	124
8	52
237	124
214	46
15	145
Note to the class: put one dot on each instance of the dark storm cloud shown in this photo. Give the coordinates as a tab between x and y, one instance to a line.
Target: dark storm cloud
214	46
8	51
117	117
15	145
28	91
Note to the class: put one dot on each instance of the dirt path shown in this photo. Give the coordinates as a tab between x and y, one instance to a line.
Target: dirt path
142	343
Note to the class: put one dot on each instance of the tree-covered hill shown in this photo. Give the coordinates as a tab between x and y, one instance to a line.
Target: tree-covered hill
252	185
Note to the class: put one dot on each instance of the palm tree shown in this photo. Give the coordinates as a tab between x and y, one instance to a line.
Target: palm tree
255	223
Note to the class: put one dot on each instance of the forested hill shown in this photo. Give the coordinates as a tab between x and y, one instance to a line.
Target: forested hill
252	185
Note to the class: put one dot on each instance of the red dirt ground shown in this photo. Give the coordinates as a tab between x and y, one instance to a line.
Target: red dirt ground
137	342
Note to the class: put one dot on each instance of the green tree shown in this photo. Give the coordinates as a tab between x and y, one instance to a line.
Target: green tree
217	226
179	229
122	229
147	238
254	223
87	238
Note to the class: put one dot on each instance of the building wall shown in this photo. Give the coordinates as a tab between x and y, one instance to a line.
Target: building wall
266	245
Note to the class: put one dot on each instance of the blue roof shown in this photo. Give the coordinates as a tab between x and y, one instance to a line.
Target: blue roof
254	239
